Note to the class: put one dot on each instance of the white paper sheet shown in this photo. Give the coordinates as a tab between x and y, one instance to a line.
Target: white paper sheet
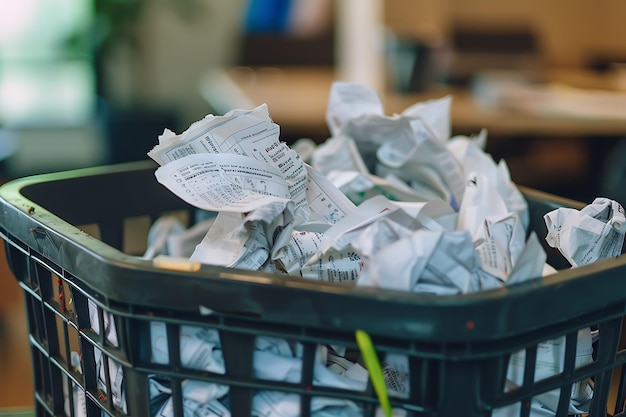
586	236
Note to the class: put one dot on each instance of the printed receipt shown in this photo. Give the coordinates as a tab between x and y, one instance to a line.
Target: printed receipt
250	133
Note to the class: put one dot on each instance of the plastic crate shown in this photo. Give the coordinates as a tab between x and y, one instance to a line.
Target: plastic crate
69	242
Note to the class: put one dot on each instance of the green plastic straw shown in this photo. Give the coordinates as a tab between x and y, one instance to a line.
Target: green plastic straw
374	369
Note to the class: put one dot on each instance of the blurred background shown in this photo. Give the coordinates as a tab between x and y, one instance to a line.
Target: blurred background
92	82
89	82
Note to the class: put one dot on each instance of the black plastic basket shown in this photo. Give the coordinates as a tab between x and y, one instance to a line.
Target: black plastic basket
69	237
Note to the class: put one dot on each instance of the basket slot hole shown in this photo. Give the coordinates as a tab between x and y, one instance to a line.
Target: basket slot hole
159	343
191	347
74	393
338	366
110	388
397	375
73	349
179	398
278	359
100	319
61	296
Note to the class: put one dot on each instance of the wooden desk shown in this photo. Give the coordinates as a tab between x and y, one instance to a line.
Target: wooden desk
554	153
297	100
296	97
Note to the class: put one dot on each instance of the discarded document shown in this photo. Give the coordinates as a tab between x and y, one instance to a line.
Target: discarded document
586	236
